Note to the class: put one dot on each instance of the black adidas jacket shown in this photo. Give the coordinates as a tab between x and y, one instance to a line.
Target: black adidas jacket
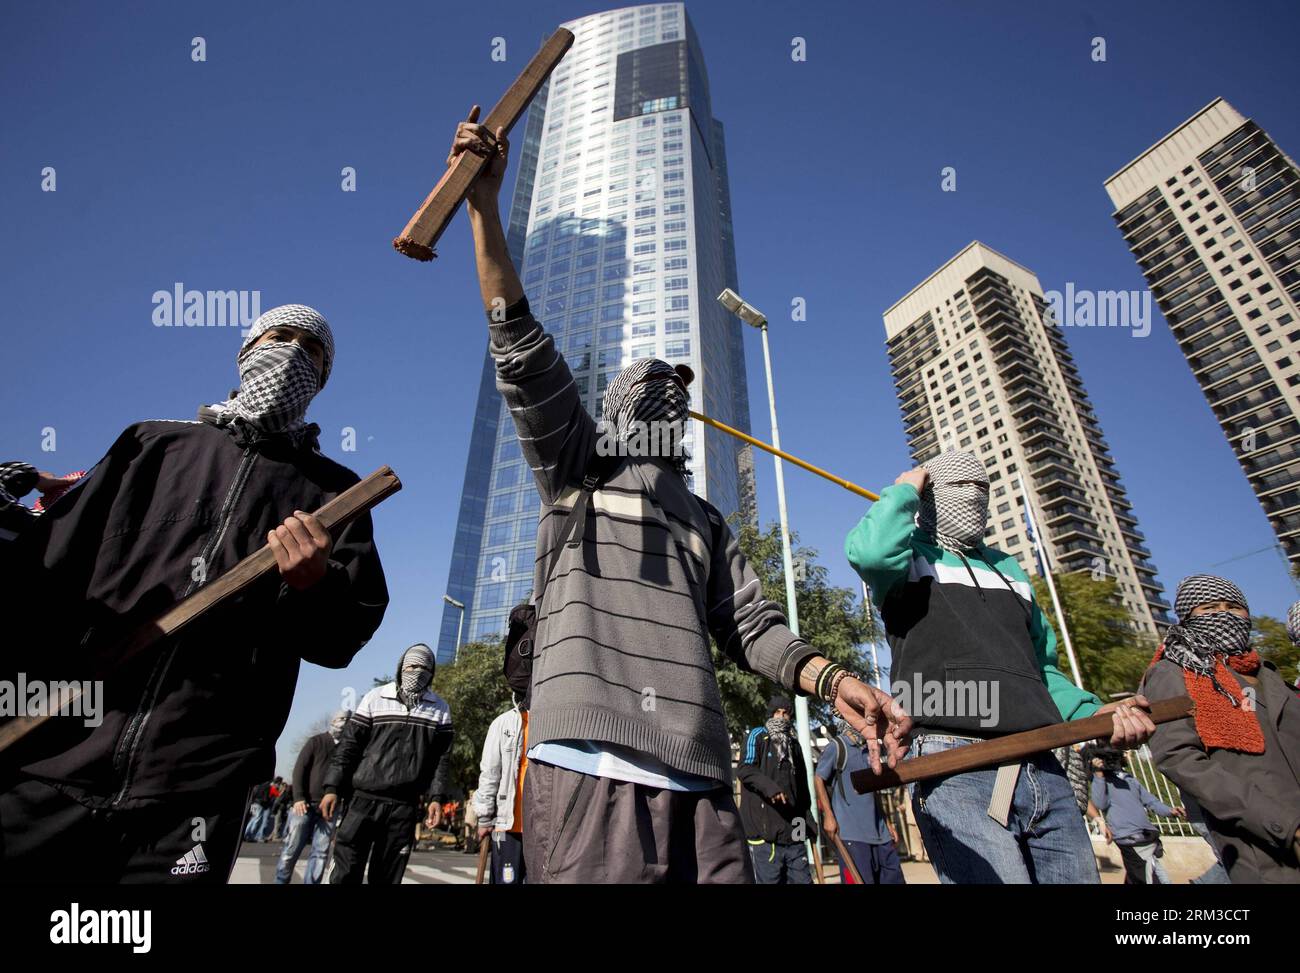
762	776
173	505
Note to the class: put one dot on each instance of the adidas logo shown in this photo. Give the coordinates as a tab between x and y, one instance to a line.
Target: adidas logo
194	863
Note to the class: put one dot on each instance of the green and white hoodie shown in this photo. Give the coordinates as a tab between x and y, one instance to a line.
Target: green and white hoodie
973	653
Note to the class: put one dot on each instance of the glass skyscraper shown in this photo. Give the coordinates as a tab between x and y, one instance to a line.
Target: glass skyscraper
620	227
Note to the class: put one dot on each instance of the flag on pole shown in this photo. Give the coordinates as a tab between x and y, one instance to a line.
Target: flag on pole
1031	525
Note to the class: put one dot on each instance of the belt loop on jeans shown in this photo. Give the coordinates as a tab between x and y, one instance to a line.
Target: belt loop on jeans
1004	789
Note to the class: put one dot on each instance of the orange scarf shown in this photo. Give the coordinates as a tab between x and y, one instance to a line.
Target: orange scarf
1219	723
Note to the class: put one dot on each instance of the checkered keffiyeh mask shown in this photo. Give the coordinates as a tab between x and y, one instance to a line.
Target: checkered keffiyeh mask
1196	640
1293	623
415	674
647	391
277	380
955	515
299	317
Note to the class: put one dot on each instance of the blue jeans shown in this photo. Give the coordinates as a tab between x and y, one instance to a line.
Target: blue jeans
877	864
779	864
304	829
255	823
1044	843
267	822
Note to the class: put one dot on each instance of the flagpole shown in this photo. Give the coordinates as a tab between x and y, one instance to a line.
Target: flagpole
875	636
1037	537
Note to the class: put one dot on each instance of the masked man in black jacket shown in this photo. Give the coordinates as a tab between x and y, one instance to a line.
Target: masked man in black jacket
395	751
151	784
775	806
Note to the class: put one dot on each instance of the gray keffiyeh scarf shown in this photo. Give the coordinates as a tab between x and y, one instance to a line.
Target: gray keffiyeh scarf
953	512
646	392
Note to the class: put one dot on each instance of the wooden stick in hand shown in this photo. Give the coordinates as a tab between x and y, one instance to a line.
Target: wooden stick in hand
1013	747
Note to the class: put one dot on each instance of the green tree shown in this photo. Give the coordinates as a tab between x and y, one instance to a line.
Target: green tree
831	618
1272	643
1112	653
476	692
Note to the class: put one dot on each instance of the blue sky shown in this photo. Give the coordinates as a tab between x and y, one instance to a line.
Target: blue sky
226	175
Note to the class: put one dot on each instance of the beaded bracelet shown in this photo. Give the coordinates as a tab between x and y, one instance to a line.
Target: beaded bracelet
827	673
835	684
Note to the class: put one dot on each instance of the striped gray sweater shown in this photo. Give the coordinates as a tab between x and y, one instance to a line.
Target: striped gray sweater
624	621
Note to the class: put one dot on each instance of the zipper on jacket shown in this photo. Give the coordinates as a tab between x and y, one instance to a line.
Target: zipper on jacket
124	758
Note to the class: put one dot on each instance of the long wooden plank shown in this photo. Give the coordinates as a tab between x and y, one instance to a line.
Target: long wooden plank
1014	746
334	515
430	220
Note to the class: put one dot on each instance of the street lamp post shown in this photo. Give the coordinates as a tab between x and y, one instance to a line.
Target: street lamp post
756	319
460	626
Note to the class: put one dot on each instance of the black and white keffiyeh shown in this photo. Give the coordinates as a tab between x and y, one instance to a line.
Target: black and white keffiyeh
278	380
778	731
1293	623
954	510
414	674
300	317
646	392
1196	640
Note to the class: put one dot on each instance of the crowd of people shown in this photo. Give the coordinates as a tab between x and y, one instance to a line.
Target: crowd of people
614	762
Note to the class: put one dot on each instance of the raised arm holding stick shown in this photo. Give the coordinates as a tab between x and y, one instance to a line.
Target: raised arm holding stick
630	701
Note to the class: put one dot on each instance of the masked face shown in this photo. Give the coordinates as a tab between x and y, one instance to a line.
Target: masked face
337	723
277	381
955	503
1224	631
648	399
415	673
1215	629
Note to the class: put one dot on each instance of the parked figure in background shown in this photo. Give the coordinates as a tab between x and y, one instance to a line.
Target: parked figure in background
968	637
281	809
307	826
1125	802
274	792
499	800
856	818
775	807
1239	757
395	752
259	808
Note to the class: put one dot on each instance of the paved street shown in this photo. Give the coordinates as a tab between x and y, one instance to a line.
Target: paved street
256	866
